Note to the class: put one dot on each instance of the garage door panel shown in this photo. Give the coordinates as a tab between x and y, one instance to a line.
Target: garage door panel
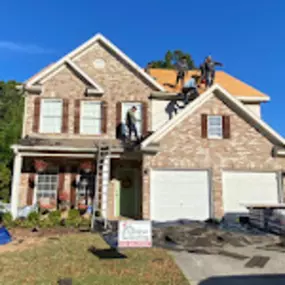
179	194
248	188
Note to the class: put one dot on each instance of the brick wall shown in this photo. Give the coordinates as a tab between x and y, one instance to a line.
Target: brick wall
183	147
119	82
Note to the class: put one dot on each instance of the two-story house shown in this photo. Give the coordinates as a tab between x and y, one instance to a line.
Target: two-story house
208	160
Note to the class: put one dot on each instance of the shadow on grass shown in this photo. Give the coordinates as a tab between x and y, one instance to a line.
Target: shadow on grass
109	253
65	281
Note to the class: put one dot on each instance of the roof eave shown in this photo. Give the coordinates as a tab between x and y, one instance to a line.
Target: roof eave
253	99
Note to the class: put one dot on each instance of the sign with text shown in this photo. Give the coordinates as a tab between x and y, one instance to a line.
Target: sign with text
135	234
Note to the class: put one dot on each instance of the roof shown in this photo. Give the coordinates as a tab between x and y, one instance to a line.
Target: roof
73	54
59	142
233	85
222	93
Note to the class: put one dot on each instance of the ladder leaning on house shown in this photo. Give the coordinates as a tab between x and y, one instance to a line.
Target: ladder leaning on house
101	183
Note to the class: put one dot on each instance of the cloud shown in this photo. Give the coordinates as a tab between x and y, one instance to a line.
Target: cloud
23	48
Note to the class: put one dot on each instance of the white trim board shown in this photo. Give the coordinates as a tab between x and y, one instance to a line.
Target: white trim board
215	90
84	75
84	46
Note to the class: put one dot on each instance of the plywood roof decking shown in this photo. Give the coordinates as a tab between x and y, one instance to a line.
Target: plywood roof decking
167	77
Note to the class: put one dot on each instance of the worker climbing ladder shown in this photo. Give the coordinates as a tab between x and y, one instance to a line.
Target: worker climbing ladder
101	184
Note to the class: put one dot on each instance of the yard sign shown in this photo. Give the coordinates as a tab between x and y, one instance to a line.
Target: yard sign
135	234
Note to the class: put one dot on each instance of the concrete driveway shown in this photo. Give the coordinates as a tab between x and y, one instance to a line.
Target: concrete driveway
220	270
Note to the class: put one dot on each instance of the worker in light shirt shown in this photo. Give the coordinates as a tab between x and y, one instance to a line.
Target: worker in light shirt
190	89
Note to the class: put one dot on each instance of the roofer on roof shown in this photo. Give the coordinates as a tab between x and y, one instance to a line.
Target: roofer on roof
190	90
208	71
182	68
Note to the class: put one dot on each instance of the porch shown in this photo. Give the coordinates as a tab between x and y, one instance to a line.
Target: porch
61	179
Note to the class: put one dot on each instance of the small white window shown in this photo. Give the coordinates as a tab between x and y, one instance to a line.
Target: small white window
215	127
47	185
91	117
51	116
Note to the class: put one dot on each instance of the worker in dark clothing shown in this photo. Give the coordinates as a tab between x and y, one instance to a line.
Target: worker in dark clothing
208	71
182	68
190	90
131	122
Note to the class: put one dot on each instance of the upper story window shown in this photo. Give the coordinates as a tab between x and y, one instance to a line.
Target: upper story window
90	118
126	106
215	127
51	116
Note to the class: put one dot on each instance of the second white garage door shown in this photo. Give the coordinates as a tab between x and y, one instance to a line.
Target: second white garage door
180	194
248	188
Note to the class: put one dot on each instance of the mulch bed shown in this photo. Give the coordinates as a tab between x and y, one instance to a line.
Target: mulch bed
41	232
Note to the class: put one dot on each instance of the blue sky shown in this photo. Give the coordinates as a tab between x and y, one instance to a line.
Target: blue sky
247	36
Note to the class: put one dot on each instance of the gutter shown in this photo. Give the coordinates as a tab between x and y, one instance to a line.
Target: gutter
18	148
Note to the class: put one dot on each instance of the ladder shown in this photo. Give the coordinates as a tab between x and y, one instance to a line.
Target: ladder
102	182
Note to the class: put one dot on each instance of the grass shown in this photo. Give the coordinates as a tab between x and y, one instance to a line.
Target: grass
68	256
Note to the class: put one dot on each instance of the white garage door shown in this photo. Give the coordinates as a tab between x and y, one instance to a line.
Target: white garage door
179	194
248	188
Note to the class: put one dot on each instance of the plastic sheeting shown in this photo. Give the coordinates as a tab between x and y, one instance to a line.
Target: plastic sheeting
5	236
22	212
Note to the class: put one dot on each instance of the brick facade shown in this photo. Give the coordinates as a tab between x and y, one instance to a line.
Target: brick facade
183	147
119	82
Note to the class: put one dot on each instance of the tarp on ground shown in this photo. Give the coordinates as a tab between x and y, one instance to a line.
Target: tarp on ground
5	236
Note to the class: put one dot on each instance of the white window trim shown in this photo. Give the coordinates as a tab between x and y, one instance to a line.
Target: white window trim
35	198
209	136
41	115
142	116
81	118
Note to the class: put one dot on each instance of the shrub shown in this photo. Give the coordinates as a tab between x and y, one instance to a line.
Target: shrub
54	217
33	218
7	219
73	219
45	223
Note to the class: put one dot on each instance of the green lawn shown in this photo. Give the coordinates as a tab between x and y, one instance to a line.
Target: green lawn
68	256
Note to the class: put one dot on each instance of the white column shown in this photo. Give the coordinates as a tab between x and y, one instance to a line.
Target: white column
18	160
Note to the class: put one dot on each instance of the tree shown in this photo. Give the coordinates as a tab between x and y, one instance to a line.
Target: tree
171	58
11	113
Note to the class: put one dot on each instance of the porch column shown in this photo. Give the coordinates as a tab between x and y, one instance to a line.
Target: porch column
17	167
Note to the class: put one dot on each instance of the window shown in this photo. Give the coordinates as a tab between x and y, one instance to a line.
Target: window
215	127
91	116
51	116
47	185
126	106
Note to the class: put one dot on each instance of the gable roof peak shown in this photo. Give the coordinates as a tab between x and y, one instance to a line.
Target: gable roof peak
86	45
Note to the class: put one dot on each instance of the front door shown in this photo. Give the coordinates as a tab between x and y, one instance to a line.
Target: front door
129	198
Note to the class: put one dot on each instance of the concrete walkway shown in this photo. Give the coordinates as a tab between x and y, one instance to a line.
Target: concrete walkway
220	270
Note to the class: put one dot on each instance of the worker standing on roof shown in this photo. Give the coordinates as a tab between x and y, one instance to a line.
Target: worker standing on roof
190	90
182	68
131	122
208	71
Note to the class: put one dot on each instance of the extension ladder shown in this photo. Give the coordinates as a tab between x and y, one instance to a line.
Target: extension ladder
102	183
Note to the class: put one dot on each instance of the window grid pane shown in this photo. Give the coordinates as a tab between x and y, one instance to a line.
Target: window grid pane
51	116
47	186
91	118
215	127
